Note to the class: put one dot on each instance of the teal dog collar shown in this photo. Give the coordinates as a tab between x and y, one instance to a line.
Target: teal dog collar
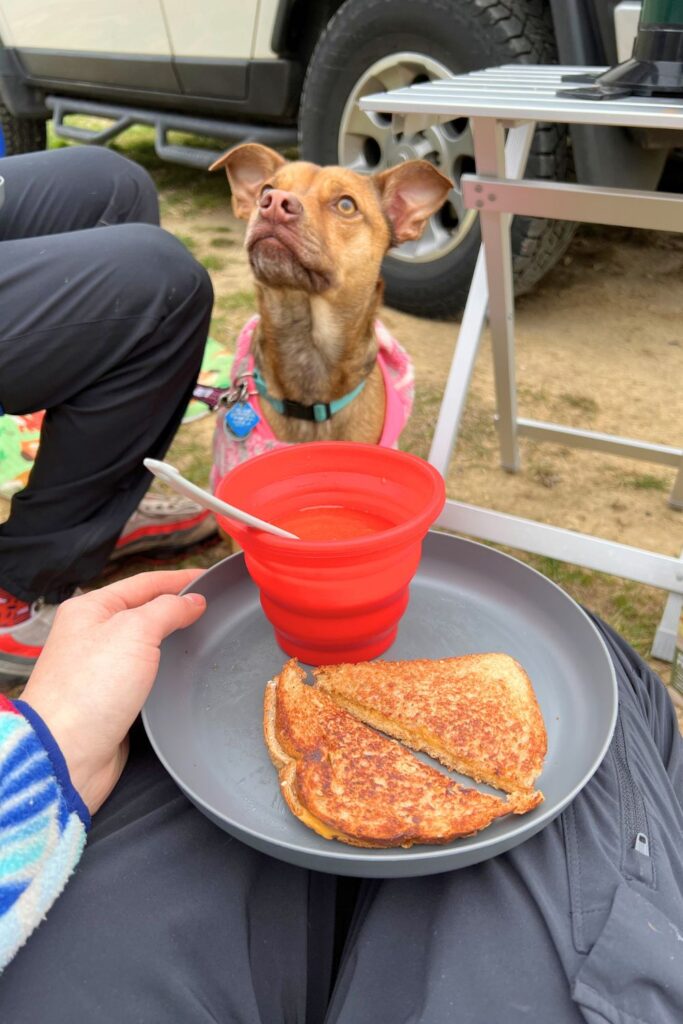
319	412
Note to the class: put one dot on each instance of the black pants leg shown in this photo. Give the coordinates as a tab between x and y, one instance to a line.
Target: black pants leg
576	925
103	328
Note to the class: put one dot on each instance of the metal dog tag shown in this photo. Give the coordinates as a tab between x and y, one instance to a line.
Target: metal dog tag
241	419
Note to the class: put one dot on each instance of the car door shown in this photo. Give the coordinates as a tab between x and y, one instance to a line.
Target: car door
120	43
212	42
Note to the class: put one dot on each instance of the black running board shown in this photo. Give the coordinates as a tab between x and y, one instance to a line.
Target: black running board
230	132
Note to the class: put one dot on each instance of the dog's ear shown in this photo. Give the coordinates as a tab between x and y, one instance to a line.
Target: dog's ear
410	193
248	168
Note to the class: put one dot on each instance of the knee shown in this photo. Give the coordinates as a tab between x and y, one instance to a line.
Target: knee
130	190
183	271
139	197
155	262
134	192
98	163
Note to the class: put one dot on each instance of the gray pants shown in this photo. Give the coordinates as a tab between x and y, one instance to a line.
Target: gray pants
103	320
168	919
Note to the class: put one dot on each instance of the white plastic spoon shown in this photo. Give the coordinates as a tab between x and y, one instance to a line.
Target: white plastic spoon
171	476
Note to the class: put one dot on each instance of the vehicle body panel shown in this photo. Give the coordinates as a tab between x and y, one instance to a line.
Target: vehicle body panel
94	26
212	28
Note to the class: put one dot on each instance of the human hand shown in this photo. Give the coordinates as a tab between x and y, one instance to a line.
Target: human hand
97	669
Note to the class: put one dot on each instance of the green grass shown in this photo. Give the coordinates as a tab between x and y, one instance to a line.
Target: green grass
236	300
562	573
212	262
647	482
529	394
583	403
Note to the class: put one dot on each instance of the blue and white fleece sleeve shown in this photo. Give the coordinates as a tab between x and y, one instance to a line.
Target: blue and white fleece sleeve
43	824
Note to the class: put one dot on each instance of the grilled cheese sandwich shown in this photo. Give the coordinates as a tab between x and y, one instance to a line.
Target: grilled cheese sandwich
346	781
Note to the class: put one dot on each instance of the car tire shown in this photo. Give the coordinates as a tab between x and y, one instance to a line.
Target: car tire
20	134
444	36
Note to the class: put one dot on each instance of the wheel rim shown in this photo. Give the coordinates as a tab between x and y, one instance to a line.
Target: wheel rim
367	143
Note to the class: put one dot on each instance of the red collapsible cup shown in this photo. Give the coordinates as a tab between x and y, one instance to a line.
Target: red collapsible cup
334	600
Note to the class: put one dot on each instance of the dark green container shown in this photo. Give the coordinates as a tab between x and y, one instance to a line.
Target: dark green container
662	13
656	65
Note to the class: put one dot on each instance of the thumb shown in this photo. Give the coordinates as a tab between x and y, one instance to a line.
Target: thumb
163	615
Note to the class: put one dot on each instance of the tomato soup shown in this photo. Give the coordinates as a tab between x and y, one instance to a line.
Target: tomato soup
333	522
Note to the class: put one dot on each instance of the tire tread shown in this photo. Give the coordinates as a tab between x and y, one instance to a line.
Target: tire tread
21	134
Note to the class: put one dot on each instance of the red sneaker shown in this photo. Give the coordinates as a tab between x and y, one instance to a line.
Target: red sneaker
24	629
164	526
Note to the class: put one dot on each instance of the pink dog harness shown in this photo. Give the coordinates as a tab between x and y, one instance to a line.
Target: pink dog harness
399	385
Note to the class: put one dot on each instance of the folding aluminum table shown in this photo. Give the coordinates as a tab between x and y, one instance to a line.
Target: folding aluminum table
513	99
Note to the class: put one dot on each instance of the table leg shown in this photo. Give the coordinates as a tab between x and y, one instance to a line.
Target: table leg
664	643
489	155
457	386
472	325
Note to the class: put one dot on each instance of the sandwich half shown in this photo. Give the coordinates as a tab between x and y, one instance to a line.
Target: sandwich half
346	781
477	714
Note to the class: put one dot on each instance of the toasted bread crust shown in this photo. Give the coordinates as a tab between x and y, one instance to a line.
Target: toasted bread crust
477	715
347	782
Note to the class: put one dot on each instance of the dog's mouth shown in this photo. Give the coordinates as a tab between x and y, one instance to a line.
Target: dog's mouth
281	259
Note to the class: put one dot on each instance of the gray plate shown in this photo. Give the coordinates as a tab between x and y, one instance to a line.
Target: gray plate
205	712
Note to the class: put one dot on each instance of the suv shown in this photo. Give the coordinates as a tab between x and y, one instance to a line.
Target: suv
288	71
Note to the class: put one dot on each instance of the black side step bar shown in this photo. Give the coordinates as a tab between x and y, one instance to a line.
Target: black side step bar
123	117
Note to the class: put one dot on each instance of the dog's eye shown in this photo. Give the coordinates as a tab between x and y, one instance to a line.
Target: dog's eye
346	205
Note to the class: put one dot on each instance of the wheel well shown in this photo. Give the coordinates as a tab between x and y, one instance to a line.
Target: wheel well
299	25
20	99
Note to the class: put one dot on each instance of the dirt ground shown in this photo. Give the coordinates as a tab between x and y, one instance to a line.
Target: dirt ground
599	346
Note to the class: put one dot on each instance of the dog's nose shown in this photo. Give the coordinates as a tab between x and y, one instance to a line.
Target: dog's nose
279	206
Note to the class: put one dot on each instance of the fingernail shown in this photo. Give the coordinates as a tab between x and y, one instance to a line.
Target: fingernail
195	599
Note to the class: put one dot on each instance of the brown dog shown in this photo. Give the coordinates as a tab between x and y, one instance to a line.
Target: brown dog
316	239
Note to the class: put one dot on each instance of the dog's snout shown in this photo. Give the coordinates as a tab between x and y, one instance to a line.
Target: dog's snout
279	206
